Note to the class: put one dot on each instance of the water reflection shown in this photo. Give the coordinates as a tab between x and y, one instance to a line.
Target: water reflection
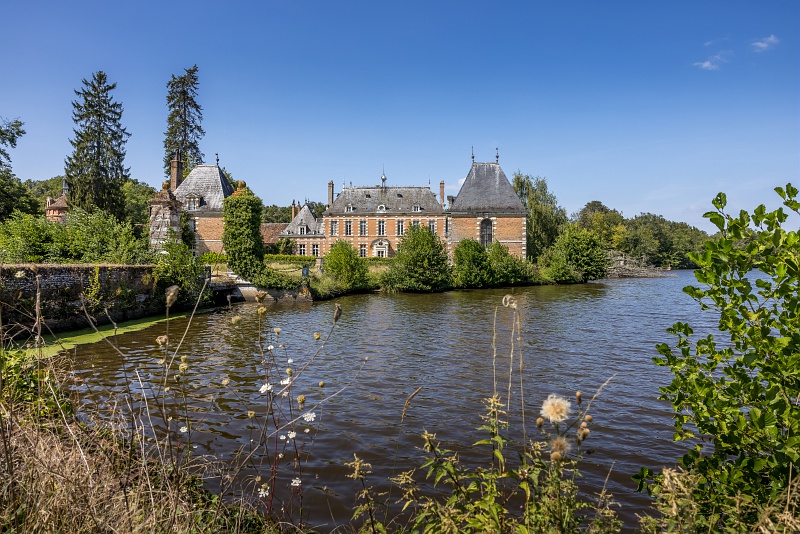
385	347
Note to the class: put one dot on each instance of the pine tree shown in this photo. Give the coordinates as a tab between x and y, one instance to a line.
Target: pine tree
183	122
95	172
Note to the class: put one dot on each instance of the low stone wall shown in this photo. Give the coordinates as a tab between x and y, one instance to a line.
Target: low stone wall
123	291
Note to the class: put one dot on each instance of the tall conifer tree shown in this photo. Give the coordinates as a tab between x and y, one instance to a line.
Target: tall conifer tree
96	169
183	122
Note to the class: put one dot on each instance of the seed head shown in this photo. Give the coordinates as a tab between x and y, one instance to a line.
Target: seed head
262	310
556	456
172	295
539	422
555	408
560	445
260	296
301	399
588	418
162	340
251	414
578	397
277	331
289	371
225	381
322	383
317	336
337	314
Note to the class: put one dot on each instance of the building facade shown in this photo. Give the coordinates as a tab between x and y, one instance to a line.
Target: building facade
201	195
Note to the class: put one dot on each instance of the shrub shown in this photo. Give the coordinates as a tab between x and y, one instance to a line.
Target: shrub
177	265
740	395
343	263
420	265
471	267
576	256
508	270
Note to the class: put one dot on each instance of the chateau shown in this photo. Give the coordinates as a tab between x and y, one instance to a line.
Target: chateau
373	219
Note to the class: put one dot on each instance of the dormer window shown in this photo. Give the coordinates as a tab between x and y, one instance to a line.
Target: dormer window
416	207
302	230
348	208
191	203
381	208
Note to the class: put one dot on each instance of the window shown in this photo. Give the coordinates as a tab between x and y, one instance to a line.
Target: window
334	227
301	249
348	228
432	225
302	230
362	227
362	251
381	208
401	227
446	226
348	208
415	207
381	227
315	250
416	223
486	232
381	253
192	204
193	225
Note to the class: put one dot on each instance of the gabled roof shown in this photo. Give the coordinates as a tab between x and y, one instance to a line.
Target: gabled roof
381	199
270	232
487	189
208	185
307	219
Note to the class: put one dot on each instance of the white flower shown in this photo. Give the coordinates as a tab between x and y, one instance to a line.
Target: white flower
555	408
309	416
184	429
281	437
296	482
266	387
270	348
286	381
292	434
19	274
280	455
307	430
290	361
263	492
285	394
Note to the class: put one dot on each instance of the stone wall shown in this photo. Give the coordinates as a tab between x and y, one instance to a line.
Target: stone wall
125	291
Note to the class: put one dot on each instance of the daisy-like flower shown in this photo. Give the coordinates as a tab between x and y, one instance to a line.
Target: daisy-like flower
555	408
263	492
277	331
290	361
282	437
270	348
286	381
292	434
266	387
296	482
184	429
19	274
309	416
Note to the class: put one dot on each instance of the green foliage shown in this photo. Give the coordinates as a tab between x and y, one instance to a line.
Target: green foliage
576	256
290	258
545	217
420	264
10	132
607	224
176	264
508	270
184	129
349	271
659	241
243	244
15	196
27	385
741	394
136	210
212	258
471	267
277	214
96	169
41	189
282	247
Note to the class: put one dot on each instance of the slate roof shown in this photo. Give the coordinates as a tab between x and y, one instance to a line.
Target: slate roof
60	202
271	232
395	200
487	190
208	184
307	218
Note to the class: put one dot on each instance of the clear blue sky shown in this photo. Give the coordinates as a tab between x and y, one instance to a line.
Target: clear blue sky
645	106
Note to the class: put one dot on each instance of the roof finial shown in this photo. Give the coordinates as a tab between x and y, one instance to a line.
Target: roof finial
217	154
473	153
497	155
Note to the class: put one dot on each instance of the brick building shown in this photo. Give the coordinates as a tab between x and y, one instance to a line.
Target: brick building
201	195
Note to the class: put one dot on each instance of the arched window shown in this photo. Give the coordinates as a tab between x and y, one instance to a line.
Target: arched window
486	232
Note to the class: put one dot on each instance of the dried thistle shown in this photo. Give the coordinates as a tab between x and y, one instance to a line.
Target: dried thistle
172	295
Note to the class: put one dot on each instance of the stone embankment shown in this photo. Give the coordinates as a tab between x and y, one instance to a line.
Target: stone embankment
622	266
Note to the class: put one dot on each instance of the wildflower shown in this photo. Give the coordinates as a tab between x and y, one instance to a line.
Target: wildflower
286	381
162	340
555	408
282	437
225	381
262	310
270	348
277	331
301	399
296	482
236	319
307	430
280	455
266	387
166	389
290	361
172	295
556	456
559	445
251	414
184	429
309	416
284	394
260	296
19	274
588	418
539	422
183	358
317	336
289	371
322	383
583	433
578	397
292	434
263	492
183	367
280	346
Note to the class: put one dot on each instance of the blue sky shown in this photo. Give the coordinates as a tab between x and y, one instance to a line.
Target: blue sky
645	106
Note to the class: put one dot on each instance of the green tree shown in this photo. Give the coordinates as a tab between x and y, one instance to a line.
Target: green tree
137	197
25	238
471	267
606	223
41	189
13	195
420	264
741	394
96	169
576	256
277	214
508	270
545	217
10	132
184	129
343	264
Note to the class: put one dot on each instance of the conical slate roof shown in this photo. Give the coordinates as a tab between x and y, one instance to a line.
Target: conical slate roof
208	185
487	189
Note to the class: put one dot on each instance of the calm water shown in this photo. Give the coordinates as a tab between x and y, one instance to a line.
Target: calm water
385	347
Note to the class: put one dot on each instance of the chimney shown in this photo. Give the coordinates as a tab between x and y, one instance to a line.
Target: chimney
450	200
48	202
175	171
293	212
330	193
441	191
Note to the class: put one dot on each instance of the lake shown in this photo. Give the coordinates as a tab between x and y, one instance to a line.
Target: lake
384	348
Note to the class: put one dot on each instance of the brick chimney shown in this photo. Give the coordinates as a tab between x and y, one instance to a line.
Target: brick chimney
175	171
330	193
441	191
293	209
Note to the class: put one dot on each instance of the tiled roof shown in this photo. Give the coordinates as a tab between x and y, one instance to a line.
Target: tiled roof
487	189
392	200
59	203
270	232
307	219
207	184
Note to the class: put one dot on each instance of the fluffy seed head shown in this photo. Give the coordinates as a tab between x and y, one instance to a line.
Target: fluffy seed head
559	445
588	418
555	408
172	295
